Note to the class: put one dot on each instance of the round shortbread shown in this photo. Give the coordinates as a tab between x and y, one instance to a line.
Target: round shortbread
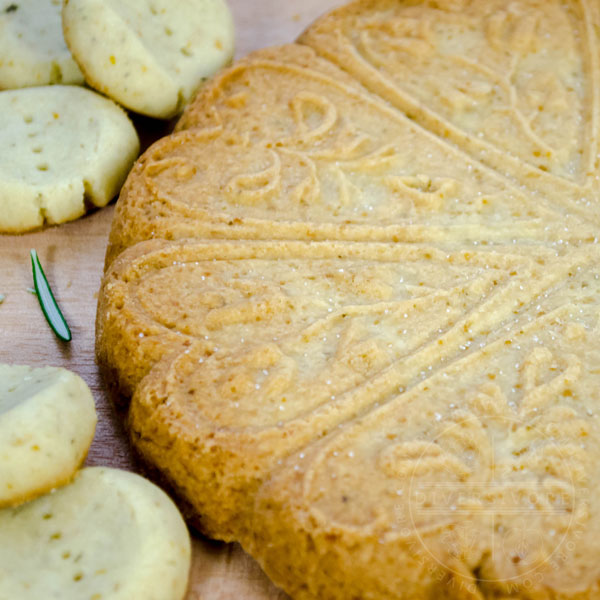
356	301
47	423
32	47
110	535
148	56
64	147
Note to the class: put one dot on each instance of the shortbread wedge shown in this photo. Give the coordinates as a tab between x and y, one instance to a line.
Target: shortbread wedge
109	535
304	152
47	422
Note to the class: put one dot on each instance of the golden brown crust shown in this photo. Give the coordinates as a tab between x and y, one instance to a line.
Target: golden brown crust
369	324
464	109
191	403
143	212
299	165
200	113
479	521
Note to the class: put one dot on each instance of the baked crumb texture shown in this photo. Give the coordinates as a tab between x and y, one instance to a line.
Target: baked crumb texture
355	300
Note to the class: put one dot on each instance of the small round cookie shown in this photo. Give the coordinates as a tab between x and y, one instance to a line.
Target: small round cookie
148	55
110	535
63	147
47	423
32	47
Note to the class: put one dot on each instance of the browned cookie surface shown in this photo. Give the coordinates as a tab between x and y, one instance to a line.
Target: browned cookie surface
365	343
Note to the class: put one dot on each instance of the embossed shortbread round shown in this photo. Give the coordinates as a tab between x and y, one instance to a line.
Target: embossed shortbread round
109	535
357	308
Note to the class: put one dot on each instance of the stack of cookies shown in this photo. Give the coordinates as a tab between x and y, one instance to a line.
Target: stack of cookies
97	533
67	148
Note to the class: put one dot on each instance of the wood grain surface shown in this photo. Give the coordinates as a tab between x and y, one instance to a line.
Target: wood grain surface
73	255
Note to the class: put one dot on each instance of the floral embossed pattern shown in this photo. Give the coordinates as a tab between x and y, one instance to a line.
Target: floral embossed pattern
355	301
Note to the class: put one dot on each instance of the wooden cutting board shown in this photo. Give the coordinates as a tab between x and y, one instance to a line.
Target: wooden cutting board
73	256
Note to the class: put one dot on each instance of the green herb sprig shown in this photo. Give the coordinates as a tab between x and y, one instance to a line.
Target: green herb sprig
46	298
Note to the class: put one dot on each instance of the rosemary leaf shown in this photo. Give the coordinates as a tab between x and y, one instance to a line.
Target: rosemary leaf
47	302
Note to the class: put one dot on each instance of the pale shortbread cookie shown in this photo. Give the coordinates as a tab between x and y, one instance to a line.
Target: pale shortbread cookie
149	56
47	422
32	47
63	148
110	535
